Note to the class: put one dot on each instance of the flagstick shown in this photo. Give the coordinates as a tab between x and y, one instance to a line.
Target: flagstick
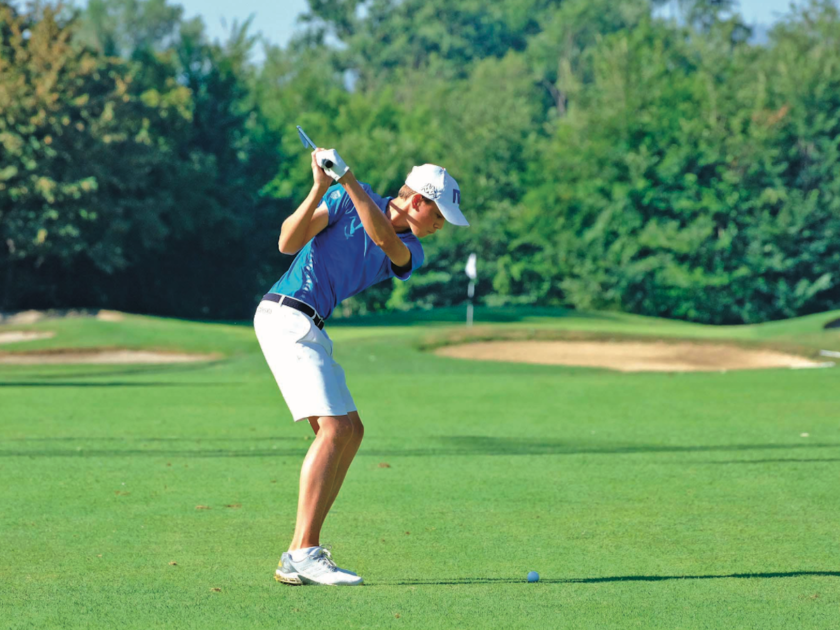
470	294
472	275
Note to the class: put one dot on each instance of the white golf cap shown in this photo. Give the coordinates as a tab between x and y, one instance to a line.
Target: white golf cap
433	182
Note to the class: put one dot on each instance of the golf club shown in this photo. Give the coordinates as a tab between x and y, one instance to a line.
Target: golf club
307	142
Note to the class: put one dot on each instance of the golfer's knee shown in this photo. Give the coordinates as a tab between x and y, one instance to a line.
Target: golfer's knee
336	428
358	427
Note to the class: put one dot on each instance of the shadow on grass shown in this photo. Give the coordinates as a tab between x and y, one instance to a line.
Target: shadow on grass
599	580
452	446
484	445
104	372
111	384
772	461
154	439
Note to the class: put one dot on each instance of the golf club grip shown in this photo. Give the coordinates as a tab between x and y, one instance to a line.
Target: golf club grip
326	164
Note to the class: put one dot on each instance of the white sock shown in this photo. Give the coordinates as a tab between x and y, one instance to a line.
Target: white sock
300	554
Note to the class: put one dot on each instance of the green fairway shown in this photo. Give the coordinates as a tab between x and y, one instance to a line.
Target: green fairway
696	500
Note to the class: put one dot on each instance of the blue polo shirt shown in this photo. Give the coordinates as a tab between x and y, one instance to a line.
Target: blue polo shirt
342	260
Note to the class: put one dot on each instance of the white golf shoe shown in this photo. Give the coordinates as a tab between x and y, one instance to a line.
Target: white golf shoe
317	568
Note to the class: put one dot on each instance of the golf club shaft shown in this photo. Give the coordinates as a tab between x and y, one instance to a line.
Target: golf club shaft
308	142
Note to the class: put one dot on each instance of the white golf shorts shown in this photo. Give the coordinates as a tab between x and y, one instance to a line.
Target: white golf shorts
300	357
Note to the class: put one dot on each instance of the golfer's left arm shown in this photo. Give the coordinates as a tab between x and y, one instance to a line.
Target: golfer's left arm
376	224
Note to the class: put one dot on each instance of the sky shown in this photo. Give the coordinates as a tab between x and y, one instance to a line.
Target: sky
276	19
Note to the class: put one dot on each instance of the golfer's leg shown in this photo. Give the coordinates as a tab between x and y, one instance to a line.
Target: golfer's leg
317	478
347	456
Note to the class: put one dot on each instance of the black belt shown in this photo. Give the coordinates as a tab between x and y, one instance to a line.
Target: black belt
303	307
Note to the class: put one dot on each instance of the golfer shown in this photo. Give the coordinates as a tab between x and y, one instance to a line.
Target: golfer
346	238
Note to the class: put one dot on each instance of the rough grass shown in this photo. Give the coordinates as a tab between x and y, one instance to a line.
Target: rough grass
643	500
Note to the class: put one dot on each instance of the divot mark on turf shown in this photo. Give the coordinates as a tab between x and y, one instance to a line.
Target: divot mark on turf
630	356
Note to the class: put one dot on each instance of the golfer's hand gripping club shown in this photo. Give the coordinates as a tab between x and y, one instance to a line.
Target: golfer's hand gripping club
331	162
319	175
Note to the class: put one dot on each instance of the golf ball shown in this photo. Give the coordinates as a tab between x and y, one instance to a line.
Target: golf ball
533	576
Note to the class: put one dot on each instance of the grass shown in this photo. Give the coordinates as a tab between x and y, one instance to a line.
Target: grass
643	500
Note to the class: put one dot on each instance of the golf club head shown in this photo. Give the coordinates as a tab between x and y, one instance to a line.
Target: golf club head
307	142
305	139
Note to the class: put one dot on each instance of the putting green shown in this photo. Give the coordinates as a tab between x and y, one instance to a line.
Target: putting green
146	496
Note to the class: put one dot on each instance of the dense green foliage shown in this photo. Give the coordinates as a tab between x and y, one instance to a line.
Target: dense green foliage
133	180
654	501
608	157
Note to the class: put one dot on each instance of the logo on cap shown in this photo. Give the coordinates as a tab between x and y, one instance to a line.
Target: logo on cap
430	190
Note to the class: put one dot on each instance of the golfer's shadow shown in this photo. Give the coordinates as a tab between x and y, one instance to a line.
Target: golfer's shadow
598	580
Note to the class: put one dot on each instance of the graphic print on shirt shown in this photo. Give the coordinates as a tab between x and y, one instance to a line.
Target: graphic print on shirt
350	230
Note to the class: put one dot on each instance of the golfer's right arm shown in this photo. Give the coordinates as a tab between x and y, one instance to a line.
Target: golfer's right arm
307	220
295	231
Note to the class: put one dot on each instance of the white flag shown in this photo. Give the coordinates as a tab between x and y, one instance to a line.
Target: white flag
471	272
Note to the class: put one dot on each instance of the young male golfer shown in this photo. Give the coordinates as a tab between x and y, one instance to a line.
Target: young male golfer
346	238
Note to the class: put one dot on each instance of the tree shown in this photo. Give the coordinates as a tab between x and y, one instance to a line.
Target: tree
382	39
125	28
131	182
75	141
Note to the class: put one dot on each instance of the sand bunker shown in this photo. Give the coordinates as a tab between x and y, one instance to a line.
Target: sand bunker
101	357
18	336
110	316
629	356
24	318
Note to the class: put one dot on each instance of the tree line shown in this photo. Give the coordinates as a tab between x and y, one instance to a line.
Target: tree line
610	155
